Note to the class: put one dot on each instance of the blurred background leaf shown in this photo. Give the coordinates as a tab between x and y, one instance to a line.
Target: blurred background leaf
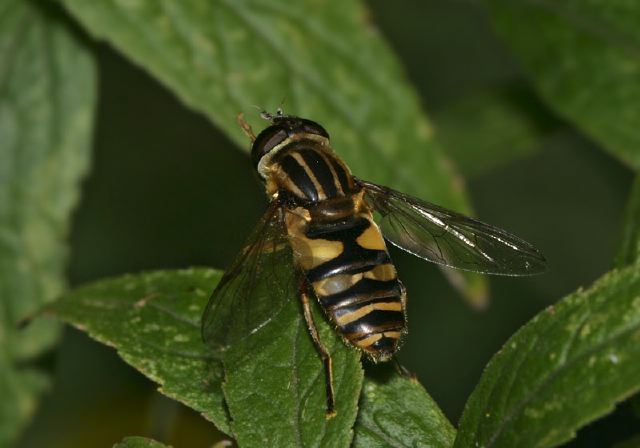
493	127
47	97
485	112
583	61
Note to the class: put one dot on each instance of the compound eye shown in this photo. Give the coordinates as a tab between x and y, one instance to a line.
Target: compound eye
314	128
270	140
266	141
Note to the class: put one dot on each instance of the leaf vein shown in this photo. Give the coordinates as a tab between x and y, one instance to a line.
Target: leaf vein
175	315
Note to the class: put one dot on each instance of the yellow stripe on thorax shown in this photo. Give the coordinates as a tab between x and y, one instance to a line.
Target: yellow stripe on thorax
314	180
336	179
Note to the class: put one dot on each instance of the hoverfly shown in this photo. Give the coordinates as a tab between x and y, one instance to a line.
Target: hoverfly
318	238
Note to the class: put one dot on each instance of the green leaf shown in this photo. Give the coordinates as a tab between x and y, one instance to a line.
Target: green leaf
20	389
153	320
275	384
323	59
492	127
583	59
629	251
47	96
570	365
139	442
398	412
274	380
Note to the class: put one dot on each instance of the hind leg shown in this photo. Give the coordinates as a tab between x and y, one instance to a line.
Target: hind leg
322	351
403	371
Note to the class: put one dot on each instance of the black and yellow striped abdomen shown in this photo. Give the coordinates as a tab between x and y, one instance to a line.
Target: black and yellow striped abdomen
346	261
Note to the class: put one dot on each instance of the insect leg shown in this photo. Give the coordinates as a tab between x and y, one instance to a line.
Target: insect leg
324	354
403	371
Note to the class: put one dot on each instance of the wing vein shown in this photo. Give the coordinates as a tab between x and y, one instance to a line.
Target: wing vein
448	238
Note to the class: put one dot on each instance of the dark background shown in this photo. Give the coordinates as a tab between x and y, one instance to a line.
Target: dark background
169	190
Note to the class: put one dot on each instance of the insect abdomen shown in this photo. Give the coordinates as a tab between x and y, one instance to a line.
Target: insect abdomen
347	263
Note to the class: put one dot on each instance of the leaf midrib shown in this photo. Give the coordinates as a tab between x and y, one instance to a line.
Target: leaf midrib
380	435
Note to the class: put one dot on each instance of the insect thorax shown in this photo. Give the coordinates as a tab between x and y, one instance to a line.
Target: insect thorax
309	172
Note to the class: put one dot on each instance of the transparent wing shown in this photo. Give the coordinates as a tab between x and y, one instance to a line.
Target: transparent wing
448	238
254	288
